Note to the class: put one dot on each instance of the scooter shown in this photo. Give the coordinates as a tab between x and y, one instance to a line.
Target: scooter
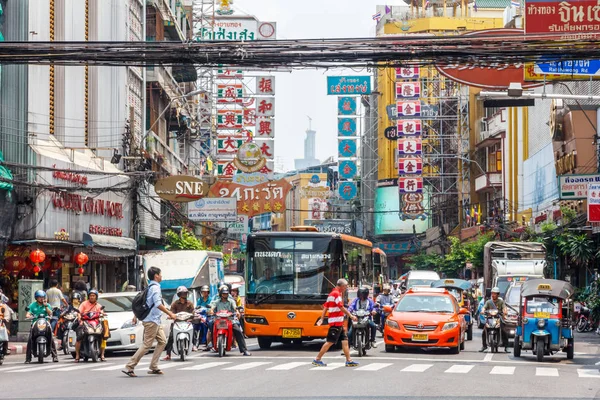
361	332
492	327
40	331
183	334
222	332
3	342
93	331
200	322
382	316
65	324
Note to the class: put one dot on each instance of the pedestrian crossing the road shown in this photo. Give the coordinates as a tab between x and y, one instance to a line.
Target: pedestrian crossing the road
274	366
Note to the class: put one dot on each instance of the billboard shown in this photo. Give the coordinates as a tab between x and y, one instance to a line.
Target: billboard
213	209
387	214
575	187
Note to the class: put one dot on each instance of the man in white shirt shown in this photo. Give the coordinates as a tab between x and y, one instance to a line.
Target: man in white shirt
55	301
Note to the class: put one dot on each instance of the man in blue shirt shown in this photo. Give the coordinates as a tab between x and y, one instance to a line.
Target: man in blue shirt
152	326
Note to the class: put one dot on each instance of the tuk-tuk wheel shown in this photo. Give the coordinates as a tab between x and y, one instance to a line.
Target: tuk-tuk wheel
539	349
570	349
517	347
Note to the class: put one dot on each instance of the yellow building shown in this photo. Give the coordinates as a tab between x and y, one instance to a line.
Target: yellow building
306	201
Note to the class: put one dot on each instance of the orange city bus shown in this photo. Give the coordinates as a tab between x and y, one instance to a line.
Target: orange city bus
290	274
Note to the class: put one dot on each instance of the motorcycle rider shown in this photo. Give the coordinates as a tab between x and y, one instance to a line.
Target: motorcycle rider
226	303
396	292
73	307
91	305
384	299
495	303
203	302
40	307
5	315
182	304
363	302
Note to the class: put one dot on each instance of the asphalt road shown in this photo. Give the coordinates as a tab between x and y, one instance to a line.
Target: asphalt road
286	372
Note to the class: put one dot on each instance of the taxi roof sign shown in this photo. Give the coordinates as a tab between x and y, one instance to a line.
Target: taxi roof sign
544	286
449	281
426	290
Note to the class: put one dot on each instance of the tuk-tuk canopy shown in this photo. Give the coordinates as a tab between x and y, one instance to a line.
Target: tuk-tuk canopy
548	287
451	283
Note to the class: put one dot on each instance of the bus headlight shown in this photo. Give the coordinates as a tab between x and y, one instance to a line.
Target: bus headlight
256	319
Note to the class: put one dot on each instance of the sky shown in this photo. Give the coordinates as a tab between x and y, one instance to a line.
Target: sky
303	93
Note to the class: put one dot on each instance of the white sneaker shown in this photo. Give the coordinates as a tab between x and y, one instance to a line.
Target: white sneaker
373	344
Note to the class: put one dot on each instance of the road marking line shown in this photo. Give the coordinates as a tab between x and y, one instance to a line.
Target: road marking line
245	366
288	366
373	367
588	373
2	369
488	357
539	371
417	368
173	365
123	367
329	367
459	369
502	371
76	367
205	366
35	368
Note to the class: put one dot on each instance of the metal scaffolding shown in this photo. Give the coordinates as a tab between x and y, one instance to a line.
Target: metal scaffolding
369	160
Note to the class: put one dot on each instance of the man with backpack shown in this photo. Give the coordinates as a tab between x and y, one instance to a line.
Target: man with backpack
147	307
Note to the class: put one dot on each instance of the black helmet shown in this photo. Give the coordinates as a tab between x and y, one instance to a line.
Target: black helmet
364	291
76	295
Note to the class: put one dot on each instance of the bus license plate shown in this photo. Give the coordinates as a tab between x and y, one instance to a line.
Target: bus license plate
540	314
420	337
295	333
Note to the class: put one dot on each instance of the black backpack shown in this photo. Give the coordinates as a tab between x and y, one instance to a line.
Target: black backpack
139	305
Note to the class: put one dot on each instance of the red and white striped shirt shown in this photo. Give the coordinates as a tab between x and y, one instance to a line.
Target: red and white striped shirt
334	306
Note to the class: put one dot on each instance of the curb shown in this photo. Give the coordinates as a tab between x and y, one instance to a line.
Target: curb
17	348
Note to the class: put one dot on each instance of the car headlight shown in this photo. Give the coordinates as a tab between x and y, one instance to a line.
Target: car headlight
449	325
541	323
392	324
129	324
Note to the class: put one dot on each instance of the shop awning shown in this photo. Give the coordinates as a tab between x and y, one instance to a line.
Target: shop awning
112	246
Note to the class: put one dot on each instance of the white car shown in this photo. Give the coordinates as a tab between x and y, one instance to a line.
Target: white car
124	335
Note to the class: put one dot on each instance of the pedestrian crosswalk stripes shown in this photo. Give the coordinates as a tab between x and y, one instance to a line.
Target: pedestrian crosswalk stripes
459	369
236	365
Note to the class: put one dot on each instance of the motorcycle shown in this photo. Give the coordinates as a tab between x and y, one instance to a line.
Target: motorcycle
584	323
40	331
3	339
200	322
65	324
222	335
183	334
93	331
361	332
382	315
492	326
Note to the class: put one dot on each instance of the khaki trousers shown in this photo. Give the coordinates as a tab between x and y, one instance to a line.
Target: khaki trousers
152	332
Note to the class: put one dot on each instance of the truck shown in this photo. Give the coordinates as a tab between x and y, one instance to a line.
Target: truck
508	262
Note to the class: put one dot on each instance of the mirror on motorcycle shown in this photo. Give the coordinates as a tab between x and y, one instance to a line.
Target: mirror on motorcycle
463	311
102	308
387	309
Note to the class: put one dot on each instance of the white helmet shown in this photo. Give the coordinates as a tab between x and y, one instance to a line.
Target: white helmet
181	289
496	289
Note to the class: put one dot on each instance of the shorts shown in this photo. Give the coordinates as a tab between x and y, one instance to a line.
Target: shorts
336	333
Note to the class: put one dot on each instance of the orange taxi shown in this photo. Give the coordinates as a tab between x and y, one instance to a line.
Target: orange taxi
426	317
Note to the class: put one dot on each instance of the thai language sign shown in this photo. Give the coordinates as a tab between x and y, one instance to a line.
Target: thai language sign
575	187
352	85
571	16
209	209
332	225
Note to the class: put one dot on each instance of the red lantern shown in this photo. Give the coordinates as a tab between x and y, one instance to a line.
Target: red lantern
80	271
81	258
36	270
37	256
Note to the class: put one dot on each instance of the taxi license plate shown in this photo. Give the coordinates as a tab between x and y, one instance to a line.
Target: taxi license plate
540	314
292	333
420	337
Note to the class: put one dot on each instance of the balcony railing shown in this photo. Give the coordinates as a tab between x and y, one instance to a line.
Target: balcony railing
497	123
488	181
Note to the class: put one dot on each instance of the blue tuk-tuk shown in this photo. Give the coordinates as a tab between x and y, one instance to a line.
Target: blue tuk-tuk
544	320
457	287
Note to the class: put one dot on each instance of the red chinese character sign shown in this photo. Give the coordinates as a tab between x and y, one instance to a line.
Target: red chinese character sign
226	169
265	86
253	200
265	106
593	201
409	127
408	90
410	185
228	93
410	166
229	119
410	146
407	73
409	108
267	148
228	145
265	128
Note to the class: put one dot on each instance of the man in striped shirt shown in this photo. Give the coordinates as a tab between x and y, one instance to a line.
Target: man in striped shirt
335	307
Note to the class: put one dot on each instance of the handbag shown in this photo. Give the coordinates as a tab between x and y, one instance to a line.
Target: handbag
3	334
106	330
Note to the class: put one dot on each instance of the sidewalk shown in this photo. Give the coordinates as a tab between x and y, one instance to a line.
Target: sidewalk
17	347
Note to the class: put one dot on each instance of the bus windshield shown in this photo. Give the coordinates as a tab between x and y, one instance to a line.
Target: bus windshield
288	267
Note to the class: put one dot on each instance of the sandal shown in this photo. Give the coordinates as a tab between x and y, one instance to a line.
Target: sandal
130	374
102	359
155	372
76	360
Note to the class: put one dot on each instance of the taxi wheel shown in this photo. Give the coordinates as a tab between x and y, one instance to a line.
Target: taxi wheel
470	332
390	348
462	345
455	350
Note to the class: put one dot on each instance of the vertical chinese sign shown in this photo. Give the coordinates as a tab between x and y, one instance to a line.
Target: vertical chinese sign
410	144
264	120
231	117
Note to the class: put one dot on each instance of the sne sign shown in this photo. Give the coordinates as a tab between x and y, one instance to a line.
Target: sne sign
181	188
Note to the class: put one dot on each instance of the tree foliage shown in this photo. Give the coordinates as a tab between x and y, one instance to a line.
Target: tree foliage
188	241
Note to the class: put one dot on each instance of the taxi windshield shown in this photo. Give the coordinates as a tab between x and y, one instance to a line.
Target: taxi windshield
542	304
426	303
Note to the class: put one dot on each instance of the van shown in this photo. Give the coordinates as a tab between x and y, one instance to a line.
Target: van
421	278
